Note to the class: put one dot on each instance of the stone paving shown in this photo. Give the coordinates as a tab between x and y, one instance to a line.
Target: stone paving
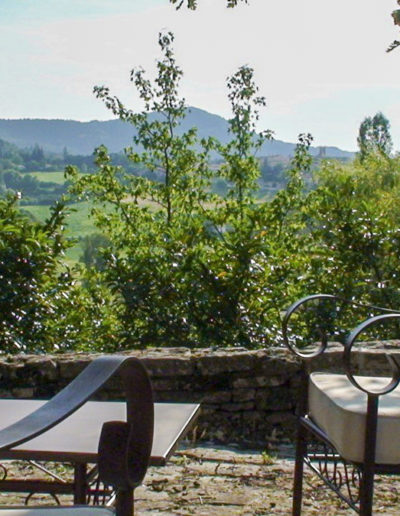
228	482
209	481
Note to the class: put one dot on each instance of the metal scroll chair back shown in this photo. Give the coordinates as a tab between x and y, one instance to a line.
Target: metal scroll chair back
345	422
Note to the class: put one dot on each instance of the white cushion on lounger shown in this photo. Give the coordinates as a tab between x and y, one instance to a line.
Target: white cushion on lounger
56	511
339	409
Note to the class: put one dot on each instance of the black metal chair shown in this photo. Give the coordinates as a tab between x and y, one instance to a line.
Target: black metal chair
124	447
348	425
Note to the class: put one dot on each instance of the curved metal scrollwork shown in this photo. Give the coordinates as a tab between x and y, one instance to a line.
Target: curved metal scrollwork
4	473
341	476
31	495
393	361
98	493
290	340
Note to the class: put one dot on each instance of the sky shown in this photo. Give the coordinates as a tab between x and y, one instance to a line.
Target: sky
321	65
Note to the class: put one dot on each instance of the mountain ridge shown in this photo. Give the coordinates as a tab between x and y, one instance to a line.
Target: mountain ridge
55	135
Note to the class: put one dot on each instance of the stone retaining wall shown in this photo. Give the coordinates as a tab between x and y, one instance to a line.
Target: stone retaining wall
247	397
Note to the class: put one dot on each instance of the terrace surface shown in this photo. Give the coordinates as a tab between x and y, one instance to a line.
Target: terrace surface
209	481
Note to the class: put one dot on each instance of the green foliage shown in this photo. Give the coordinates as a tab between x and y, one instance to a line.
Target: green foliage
354	219
396	21
374	136
149	248
16	166
31	189
42	305
29	258
196	268
222	274
192	4
272	171
9	156
85	316
352	223
174	263
92	246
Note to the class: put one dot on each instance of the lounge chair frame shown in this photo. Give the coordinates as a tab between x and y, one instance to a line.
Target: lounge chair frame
125	446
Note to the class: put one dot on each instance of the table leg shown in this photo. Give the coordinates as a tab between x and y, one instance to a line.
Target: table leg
80	484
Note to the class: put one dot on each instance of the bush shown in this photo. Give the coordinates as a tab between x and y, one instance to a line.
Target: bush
30	254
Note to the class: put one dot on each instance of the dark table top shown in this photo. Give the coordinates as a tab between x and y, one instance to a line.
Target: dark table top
76	438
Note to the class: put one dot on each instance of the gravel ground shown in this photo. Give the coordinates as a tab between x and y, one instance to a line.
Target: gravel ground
207	481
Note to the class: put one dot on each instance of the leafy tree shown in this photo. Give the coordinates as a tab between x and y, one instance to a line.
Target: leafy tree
231	274
37	153
272	172
374	136
396	21
353	217
154	235
10	156
25	183
92	246
184	266
192	4
351	237
187	267
29	258
43	307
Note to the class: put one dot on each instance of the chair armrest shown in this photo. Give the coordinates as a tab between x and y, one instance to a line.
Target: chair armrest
74	395
125	447
393	360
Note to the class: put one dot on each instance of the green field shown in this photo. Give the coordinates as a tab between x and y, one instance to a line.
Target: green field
78	223
52	177
56	176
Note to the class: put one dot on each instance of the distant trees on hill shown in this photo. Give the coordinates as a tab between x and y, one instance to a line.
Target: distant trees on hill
16	165
12	158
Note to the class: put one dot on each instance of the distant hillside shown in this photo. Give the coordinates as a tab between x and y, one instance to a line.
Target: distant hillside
83	137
